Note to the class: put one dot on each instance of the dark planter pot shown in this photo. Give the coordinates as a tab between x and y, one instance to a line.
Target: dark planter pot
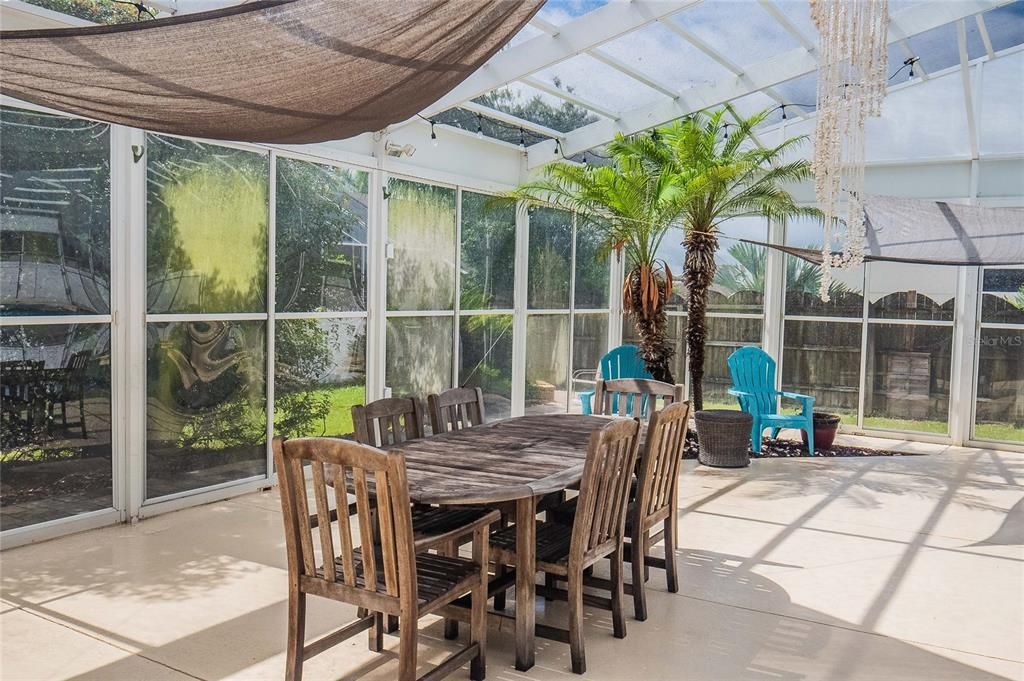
825	428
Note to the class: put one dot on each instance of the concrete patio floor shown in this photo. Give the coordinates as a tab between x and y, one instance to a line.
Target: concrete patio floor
885	568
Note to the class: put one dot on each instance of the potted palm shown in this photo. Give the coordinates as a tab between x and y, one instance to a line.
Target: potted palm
632	204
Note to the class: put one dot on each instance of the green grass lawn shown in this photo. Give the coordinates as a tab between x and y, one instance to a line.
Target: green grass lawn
918	426
1003	432
339	418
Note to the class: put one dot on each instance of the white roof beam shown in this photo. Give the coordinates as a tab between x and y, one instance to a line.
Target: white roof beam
965	75
787	66
545	26
622	67
582	33
569	97
901	37
722	59
983	32
497	115
788	25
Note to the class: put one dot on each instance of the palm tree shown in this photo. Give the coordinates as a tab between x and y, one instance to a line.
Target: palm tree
720	171
748	272
632	204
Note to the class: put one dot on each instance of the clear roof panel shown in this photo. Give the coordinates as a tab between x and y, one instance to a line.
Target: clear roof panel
799	14
748	105
801	92
1005	25
538	107
742	31
599	83
559	12
659	53
937	49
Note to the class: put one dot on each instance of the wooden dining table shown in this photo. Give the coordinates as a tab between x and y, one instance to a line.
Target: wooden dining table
516	460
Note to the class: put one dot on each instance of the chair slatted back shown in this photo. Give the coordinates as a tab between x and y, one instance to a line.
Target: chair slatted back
456	409
384	567
753	371
624	362
389	421
636	397
660	460
604	488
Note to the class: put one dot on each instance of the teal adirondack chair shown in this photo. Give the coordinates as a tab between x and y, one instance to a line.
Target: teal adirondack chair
621	362
753	384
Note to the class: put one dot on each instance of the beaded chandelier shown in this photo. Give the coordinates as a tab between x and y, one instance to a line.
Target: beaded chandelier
852	42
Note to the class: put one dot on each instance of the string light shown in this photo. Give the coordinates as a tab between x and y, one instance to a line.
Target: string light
908	63
585	161
522	139
433	134
558	147
725	127
479	127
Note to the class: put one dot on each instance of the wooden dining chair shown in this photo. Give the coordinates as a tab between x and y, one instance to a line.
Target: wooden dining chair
456	409
389	421
392	421
636	397
596	533
654	500
391	576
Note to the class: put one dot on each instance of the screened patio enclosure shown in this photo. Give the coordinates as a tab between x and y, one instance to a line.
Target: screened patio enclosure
167	305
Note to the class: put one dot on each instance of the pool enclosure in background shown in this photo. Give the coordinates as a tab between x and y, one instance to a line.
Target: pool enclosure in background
167	305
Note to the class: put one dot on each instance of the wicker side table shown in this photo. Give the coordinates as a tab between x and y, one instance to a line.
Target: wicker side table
724	437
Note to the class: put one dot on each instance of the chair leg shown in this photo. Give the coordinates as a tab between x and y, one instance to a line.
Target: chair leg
645	546
499	572
451	626
810	439
639	596
775	433
408	634
618	618
376	633
755	436
575	596
671	580
296	635
551	582
478	631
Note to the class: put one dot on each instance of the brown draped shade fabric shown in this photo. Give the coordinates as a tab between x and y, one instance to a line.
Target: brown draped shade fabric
287	71
933	232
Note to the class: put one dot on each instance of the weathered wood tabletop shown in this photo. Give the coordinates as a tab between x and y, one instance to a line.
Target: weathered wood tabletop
519	459
504	461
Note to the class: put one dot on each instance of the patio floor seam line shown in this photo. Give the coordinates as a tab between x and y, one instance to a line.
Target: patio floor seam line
28	610
848	628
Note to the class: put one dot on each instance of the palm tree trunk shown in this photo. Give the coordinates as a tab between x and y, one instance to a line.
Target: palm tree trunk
652	330
701	245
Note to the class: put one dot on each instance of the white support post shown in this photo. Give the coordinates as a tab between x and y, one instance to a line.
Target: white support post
134	320
376	319
519	311
774	296
120	340
615	281
271	304
966	332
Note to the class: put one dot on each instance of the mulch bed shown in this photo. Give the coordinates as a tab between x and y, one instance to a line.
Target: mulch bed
777	449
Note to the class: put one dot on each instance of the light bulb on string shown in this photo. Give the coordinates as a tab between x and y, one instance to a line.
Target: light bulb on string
479	127
433	134
522	139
